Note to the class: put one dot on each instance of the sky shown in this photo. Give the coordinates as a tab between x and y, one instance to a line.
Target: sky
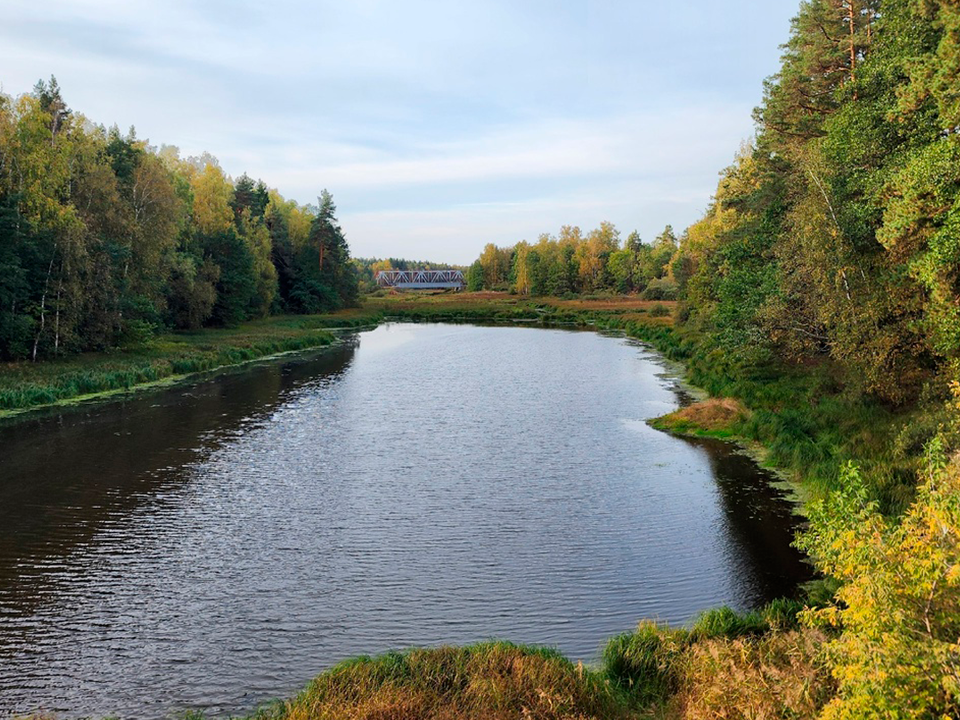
437	126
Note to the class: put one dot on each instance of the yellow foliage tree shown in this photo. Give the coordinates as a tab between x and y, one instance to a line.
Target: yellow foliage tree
521	267
211	201
898	653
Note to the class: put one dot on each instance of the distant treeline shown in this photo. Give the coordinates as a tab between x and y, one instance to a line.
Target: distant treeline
367	268
573	263
104	239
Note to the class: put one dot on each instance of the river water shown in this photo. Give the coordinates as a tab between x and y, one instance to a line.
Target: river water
217	545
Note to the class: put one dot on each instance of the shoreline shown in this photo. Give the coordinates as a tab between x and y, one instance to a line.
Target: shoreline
176	358
167	381
621	684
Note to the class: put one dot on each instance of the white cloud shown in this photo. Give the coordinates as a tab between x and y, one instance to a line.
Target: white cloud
461	122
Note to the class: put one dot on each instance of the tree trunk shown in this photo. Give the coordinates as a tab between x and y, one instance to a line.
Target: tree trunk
56	321
851	16
43	308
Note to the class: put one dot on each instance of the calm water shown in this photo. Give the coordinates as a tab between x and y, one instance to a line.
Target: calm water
218	545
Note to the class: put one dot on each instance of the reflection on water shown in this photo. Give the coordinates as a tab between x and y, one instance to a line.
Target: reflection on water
218	545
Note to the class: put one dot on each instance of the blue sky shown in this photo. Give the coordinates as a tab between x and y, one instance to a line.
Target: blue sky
437	126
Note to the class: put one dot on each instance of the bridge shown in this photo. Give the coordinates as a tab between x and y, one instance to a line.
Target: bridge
421	279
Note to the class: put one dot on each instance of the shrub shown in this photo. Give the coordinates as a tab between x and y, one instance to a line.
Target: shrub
899	607
645	662
660	289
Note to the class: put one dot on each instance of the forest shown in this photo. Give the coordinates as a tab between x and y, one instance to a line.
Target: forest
106	240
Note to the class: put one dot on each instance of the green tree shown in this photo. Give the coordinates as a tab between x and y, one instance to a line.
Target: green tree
474	276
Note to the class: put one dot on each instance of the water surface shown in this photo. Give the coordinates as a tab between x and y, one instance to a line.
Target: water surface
218	545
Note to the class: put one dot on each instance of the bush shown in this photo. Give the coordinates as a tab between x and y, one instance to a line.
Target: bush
645	662
724	622
899	605
659	310
660	289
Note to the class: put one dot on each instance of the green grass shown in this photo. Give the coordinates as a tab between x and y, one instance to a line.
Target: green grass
647	662
29	385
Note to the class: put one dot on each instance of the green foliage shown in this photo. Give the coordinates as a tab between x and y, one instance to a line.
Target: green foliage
236	284
660	289
105	241
324	278
474	277
728	623
571	264
834	235
645	662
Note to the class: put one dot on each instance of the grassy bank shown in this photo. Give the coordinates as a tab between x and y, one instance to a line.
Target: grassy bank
651	672
24	386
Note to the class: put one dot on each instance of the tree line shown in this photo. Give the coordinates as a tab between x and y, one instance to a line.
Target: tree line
106	240
835	234
833	240
573	263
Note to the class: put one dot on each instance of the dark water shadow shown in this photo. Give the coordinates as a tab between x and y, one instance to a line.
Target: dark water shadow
66	472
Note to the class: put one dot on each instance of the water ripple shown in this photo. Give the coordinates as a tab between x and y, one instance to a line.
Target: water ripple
435	484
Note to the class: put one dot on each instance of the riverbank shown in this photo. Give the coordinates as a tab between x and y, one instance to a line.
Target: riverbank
174	357
651	672
159	361
804	416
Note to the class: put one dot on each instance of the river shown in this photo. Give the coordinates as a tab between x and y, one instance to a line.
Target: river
218	544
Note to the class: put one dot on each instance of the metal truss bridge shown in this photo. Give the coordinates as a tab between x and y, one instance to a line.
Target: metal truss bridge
421	279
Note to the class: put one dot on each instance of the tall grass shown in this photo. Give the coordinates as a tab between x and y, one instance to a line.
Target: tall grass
649	663
487	681
645	662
